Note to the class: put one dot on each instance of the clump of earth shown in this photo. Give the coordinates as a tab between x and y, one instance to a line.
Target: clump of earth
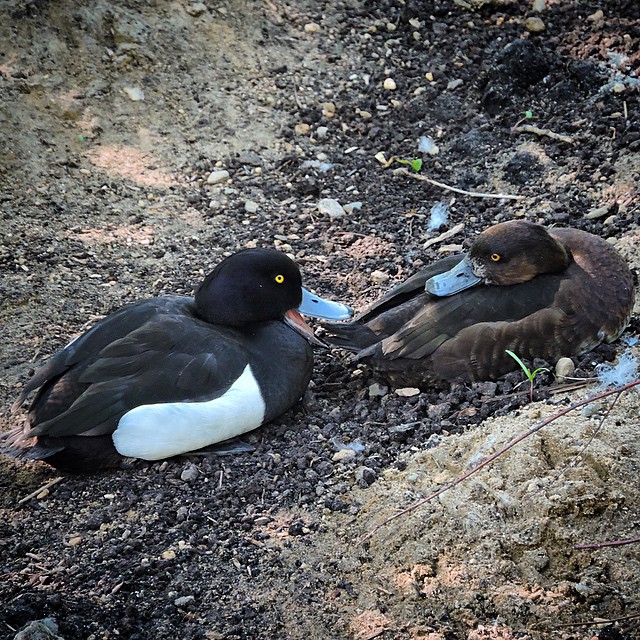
144	141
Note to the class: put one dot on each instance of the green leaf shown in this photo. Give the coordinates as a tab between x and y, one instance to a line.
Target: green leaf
523	366
415	164
528	115
538	370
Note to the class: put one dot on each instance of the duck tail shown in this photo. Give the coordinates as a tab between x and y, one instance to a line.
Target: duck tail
15	444
351	336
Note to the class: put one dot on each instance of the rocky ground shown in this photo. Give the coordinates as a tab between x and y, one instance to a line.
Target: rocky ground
116	120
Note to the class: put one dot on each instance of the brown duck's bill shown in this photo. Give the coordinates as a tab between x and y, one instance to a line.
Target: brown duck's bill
459	278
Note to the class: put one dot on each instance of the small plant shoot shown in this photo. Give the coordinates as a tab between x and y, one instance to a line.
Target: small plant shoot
415	163
531	375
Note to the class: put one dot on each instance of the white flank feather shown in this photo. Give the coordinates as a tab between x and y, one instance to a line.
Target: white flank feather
156	431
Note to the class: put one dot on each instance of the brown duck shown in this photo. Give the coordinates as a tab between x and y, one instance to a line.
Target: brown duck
540	293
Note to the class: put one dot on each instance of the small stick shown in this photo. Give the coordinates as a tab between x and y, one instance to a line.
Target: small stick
442	185
593	623
33	494
611	543
530	128
491	458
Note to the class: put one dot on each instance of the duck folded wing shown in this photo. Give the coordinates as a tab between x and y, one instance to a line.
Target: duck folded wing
389	313
158	362
412	287
127	318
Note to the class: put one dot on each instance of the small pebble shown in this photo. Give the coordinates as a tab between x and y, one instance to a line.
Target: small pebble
596	16
407	392
564	369
365	474
534	25
352	206
190	473
183	600
331	207
45	629
135	94
344	454
312	27
379	277
302	128
454	84
216	177
322	132
377	389
539	5
250	206
390	84
599	212
169	554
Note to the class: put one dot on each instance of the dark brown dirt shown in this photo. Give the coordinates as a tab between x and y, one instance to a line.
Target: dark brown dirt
104	199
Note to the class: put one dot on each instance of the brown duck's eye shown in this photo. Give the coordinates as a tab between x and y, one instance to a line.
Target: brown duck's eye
496	257
279	278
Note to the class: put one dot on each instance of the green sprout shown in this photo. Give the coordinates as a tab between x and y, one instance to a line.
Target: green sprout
527	372
415	164
527	115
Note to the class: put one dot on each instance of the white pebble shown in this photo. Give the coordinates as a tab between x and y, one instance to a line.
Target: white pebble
407	392
215	177
390	84
250	206
331	207
352	206
136	94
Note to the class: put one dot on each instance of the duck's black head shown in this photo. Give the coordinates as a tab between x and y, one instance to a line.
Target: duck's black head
254	285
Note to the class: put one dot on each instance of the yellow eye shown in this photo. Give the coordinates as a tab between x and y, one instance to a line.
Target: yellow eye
279	278
496	257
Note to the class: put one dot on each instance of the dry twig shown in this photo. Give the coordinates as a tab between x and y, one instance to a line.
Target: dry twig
530	128
611	543
442	185
33	494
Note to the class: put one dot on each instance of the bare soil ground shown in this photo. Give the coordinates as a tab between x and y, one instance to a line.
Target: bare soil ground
112	118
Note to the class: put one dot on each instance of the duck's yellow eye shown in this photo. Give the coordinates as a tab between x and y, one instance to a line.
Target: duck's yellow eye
279	278
496	257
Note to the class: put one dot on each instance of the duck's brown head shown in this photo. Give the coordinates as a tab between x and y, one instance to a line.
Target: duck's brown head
507	253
